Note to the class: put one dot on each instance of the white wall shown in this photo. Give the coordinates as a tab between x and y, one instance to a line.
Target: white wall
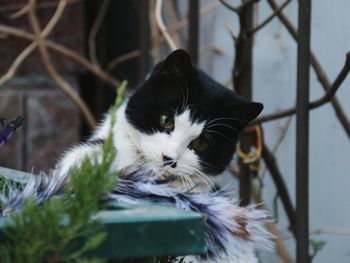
275	86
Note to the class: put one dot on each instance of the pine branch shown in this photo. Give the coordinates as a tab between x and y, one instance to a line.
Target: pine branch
48	232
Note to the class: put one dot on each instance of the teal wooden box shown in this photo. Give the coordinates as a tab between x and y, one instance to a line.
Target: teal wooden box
143	230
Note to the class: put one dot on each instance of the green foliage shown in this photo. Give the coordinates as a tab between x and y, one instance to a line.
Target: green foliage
62	229
316	246
5	185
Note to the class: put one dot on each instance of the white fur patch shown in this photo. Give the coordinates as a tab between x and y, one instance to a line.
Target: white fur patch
136	147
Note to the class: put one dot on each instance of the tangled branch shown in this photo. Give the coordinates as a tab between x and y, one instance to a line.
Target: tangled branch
315	104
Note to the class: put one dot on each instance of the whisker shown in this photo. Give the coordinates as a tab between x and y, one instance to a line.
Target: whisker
228	119
224	125
219	133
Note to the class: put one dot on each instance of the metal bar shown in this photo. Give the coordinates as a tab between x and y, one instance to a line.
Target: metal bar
193	31
302	132
242	82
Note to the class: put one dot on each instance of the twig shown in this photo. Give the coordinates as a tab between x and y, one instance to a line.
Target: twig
70	54
331	230
19	13
321	75
272	228
269	18
238	8
173	18
230	31
29	49
157	40
161	26
337	83
63	85
315	104
325	230
122	58
230	7
282	134
94	31
277	177
40	5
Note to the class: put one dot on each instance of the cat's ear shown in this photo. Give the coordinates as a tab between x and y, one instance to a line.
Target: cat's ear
251	110
178	62
247	111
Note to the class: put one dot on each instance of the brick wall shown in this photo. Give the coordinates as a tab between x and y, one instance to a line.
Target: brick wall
52	122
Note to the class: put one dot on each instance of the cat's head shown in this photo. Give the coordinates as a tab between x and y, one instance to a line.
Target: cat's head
186	123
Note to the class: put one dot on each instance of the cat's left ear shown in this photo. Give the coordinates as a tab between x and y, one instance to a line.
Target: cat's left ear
178	62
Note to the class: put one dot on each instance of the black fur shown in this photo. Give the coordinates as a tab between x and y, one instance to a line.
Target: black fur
174	82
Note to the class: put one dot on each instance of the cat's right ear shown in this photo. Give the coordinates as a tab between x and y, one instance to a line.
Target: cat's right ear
178	62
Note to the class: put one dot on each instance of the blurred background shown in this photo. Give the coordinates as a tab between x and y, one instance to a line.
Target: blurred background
93	45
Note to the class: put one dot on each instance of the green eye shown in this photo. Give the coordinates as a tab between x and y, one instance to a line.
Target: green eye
199	144
166	122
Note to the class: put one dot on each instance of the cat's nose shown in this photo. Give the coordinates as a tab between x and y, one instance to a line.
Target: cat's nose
168	161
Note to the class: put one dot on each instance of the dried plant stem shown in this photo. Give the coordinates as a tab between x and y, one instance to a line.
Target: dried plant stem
161	26
269	18
272	228
158	39
329	96
238	8
321	75
70	54
63	85
29	49
94	31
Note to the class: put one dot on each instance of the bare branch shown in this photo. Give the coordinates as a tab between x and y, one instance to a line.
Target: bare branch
230	31
45	57
29	49
321	75
238	8
315	104
277	177
331	230
269	19
70	54
230	7
41	5
22	9
160	38
19	13
161	26
94	31
122	58
336	85
272	228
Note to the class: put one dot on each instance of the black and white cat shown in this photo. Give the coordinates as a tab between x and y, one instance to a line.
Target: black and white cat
179	123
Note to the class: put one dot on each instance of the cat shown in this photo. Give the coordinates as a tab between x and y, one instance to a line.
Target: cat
179	123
